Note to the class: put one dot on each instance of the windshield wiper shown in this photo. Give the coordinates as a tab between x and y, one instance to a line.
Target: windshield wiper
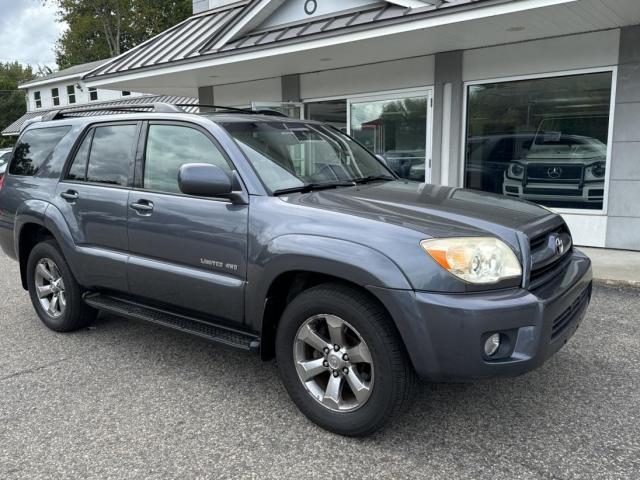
373	178
314	186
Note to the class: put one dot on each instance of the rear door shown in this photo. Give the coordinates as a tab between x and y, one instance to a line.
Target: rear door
93	198
186	252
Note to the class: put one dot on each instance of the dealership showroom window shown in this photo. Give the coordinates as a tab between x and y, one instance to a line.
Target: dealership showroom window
540	139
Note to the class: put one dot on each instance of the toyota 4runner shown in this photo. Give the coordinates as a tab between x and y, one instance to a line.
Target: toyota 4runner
289	239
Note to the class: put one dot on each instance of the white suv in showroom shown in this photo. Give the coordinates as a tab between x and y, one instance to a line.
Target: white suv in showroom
559	170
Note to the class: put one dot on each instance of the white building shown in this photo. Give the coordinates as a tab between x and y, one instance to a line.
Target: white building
65	89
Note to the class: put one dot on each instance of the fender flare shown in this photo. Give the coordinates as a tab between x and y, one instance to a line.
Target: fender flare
350	261
46	215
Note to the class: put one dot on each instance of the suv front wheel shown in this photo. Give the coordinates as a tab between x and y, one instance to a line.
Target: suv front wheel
54	292
342	361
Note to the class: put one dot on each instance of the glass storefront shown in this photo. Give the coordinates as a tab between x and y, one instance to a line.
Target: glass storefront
543	140
333	112
397	130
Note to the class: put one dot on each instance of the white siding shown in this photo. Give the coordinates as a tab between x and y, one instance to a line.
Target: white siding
82	96
588	50
242	94
372	78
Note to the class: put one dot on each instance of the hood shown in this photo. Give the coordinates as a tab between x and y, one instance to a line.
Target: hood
434	210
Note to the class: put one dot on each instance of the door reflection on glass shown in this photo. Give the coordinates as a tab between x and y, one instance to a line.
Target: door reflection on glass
395	129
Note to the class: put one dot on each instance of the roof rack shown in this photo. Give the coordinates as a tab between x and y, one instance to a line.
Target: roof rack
157	107
223	109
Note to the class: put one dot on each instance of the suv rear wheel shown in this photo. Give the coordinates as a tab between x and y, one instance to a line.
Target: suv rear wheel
54	292
342	361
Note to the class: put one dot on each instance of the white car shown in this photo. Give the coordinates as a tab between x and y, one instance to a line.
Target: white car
559	170
5	153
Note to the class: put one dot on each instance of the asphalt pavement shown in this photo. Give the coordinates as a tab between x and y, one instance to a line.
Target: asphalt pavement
128	400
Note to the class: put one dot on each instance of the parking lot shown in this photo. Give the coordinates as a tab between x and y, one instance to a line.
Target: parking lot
128	400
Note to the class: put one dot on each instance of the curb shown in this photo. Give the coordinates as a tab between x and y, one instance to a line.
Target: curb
609	282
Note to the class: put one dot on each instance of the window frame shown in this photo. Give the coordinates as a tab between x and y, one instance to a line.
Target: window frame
37	99
141	159
71	94
55	99
90	130
613	69
91	91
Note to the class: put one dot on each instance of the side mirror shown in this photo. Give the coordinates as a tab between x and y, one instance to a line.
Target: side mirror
382	159
204	180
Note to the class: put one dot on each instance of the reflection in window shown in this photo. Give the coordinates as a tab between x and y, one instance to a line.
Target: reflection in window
78	170
34	148
171	146
543	140
111	156
396	129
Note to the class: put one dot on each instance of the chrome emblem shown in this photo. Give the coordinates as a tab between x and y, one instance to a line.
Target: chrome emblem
559	246
554	172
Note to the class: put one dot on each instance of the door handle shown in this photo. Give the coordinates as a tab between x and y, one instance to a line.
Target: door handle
69	195
143	207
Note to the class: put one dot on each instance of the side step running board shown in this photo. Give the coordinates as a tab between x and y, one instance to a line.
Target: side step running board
136	311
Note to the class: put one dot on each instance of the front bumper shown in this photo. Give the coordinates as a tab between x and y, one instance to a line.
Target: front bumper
592	192
444	333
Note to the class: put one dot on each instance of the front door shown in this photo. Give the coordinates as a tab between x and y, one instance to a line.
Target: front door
187	252
398	127
92	198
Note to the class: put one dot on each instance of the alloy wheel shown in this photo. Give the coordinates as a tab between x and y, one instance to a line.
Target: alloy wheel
333	363
50	288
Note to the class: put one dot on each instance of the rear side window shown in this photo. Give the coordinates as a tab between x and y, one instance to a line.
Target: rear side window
34	148
171	146
106	155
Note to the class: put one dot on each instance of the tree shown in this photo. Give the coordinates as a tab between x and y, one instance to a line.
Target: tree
100	29
12	101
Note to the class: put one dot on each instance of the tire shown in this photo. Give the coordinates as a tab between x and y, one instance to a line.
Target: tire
390	377
70	312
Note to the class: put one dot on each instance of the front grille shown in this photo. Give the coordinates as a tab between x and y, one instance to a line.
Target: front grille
563	192
547	264
552	173
565	319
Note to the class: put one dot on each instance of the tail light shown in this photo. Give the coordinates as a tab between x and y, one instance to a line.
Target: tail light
1	181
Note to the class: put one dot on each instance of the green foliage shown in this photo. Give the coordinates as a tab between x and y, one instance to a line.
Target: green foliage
99	29
12	101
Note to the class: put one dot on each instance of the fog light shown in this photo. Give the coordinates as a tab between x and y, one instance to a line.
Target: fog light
492	344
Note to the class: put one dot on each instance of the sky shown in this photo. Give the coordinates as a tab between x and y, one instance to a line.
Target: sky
28	32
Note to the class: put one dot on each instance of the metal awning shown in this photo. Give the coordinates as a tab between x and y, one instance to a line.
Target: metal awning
196	37
15	127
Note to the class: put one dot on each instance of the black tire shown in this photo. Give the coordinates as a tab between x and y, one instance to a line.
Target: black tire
76	313
395	378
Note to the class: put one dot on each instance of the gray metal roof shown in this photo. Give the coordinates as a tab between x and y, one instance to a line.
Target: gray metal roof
78	70
195	37
180	42
15	127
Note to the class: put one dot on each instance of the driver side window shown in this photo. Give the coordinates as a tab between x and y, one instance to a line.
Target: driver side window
171	146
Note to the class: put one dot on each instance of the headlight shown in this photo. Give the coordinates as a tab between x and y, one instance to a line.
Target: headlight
479	260
596	171
515	170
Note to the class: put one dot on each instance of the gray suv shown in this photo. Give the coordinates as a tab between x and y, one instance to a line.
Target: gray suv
289	239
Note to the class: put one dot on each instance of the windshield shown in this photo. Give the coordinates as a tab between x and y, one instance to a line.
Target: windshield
290	155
